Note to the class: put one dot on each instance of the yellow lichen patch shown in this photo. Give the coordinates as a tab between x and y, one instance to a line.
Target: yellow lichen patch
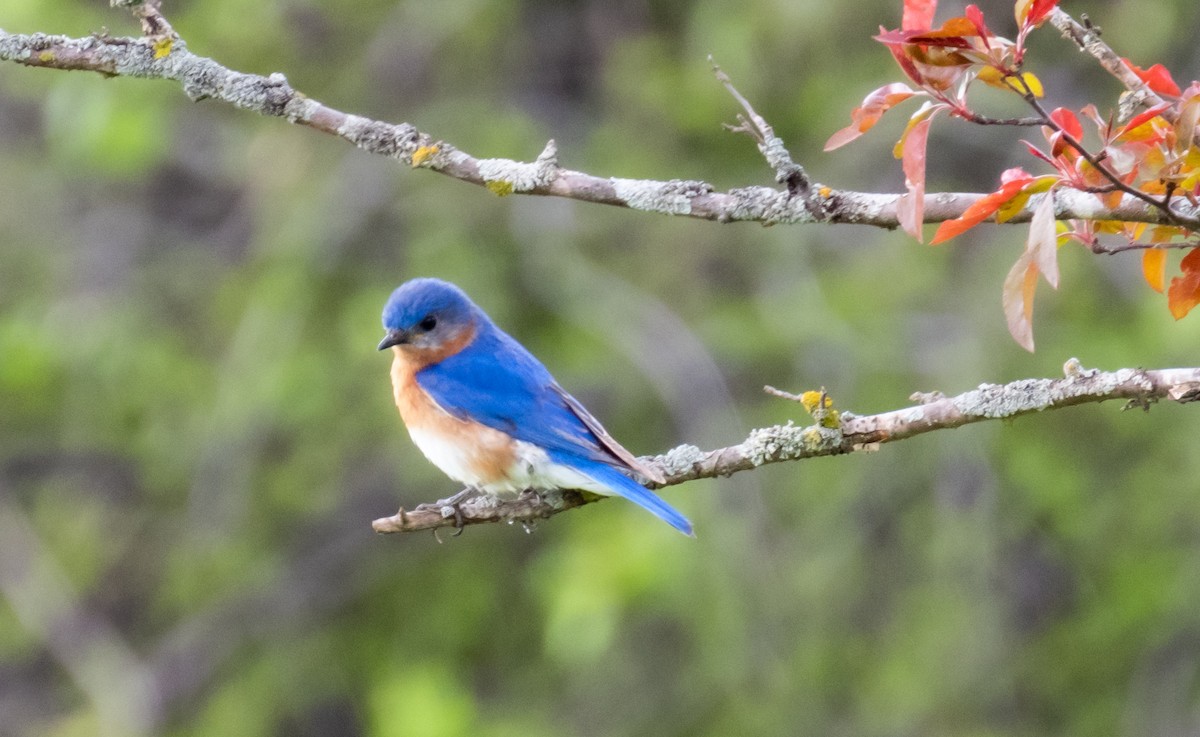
498	187
46	57
162	47
825	191
423	153
820	406
811	438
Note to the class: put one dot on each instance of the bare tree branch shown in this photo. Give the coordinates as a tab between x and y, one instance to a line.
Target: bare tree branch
1087	38
854	434
162	55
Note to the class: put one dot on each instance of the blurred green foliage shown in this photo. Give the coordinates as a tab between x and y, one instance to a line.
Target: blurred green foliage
195	429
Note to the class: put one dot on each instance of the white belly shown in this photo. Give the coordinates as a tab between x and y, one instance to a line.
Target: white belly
532	468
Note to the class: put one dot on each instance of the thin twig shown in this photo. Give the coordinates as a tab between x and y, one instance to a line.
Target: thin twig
1106	250
787	171
974	117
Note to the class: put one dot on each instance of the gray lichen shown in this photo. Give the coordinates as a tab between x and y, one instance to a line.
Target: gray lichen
767	205
203	78
670	198
395	141
679	460
522	176
996	401
784	442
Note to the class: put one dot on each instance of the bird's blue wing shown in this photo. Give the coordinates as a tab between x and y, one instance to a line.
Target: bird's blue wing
498	383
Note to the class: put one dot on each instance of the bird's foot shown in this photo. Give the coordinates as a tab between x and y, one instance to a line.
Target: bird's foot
451	506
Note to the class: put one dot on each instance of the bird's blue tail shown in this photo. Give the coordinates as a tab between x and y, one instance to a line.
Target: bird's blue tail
626	487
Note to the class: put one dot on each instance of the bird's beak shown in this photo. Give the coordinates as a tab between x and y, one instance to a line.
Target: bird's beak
393	337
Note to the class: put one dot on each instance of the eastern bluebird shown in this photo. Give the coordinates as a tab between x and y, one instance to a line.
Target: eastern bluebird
489	414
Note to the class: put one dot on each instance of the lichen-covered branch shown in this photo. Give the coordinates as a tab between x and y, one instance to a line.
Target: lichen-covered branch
771	146
853	433
165	56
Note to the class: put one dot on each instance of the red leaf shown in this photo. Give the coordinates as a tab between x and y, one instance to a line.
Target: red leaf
1038	152
910	210
1017	299
1015	174
865	116
1057	144
1067	121
918	15
900	55
1157	78
1038	10
1013	181
1090	112
975	15
1184	292
1143	117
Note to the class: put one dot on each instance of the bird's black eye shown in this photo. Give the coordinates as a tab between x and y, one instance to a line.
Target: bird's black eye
428	323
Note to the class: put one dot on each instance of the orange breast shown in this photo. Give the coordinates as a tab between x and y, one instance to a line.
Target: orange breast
464	450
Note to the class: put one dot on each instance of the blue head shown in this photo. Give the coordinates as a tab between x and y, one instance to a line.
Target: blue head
427	315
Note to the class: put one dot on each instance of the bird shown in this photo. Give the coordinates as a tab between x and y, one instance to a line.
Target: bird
487	413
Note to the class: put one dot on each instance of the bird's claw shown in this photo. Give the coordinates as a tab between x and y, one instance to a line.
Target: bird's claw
449	507
454	510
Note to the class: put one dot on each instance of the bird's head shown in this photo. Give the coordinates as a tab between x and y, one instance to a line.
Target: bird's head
428	316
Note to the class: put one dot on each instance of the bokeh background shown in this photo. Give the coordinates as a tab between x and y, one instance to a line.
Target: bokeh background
196	430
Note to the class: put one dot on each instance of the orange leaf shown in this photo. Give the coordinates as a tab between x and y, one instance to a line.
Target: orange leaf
1017	299
1154	268
918	15
865	116
954	33
1014	180
910	210
1039	184
1184	292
